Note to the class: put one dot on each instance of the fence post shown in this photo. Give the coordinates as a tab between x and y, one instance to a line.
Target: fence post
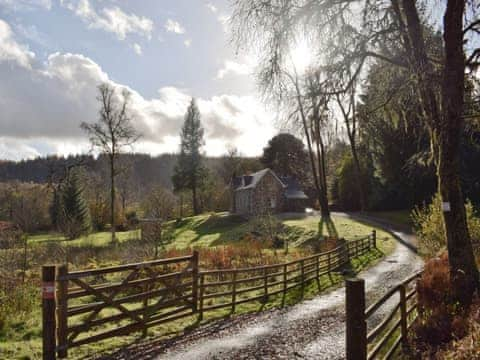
356	340
62	306
403	314
234	289
346	250
48	312
374	239
200	313
195	281
265	285
284	282
303	276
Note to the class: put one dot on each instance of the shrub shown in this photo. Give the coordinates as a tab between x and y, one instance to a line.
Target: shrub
132	219
440	319
429	226
267	227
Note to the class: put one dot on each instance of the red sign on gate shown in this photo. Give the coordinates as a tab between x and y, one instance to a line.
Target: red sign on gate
48	290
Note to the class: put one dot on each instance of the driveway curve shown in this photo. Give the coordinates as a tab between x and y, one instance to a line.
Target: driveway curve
312	329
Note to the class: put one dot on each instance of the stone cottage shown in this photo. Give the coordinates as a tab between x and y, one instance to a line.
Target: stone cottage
265	192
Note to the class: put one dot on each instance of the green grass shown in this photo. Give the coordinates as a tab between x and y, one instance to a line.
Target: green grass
219	229
208	230
24	341
21	337
401	217
96	239
302	229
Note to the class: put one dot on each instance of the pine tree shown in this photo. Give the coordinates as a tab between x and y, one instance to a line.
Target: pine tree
189	170
75	214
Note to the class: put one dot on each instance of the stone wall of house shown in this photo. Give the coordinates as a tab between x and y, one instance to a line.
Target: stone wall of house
267	196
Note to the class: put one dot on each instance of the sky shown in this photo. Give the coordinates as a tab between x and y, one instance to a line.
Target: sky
54	54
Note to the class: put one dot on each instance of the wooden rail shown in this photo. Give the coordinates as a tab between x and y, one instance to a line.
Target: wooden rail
134	297
389	329
227	288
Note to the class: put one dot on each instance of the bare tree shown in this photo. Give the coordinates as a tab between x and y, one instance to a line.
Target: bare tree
347	105
111	134
349	35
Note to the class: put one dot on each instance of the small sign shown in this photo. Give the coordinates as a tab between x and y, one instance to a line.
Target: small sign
48	290
445	206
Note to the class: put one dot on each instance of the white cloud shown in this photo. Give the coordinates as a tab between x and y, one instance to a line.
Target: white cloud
235	68
12	51
212	7
43	105
225	21
187	42
31	33
174	26
18	5
16	149
137	48
113	20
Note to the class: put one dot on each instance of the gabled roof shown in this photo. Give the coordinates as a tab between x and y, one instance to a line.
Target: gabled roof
251	181
293	190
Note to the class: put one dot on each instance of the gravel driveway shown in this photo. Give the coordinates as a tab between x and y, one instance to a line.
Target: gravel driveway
313	329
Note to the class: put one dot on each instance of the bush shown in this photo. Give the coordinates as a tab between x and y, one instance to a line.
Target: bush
440	319
267	227
132	219
346	186
429	226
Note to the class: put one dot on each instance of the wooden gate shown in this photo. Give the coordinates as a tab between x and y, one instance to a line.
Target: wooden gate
130	298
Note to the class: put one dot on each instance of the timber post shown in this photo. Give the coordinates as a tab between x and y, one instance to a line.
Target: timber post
48	312
403	316
374	238
200	313
265	285
356	339
195	281
302	276
62	293
234	290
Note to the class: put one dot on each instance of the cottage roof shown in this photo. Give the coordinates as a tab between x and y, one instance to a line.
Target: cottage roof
293	189
251	181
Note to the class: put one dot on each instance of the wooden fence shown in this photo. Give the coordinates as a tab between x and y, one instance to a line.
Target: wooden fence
389	327
79	305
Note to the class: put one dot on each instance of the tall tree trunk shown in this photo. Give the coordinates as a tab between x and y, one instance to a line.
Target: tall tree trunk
112	198
358	174
194	199
181	206
351	125
323	209
322	174
446	130
463	268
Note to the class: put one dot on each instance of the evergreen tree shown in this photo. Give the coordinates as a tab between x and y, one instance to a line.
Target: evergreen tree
75	215
189	170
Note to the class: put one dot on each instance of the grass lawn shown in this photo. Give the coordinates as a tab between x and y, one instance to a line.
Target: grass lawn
95	239
401	217
217	229
346	228
21	338
221	229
